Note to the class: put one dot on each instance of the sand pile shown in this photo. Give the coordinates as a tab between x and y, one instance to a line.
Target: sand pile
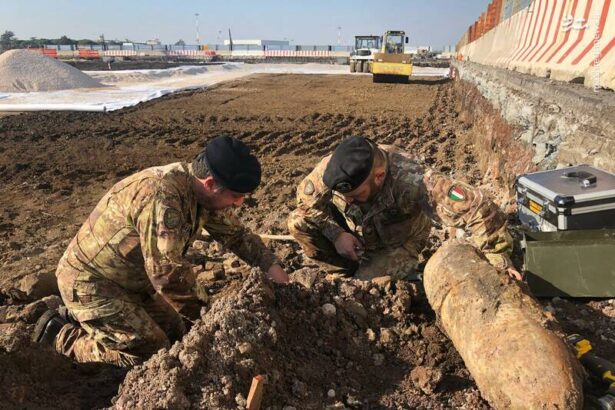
26	71
343	344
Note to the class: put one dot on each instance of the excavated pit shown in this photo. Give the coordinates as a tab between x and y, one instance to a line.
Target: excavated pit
55	166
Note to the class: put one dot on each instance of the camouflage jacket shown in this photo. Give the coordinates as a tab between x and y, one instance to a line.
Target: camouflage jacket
136	237
403	210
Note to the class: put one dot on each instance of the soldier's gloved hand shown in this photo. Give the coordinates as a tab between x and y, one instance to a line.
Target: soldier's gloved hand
349	246
277	274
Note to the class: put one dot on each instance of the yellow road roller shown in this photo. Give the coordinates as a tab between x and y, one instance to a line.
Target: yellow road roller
391	64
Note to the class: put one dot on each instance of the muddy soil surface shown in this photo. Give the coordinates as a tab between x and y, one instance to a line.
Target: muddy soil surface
54	167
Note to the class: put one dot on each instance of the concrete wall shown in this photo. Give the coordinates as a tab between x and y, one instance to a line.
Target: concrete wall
567	40
560	124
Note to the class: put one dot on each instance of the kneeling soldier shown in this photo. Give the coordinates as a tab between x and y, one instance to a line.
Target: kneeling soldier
368	210
124	279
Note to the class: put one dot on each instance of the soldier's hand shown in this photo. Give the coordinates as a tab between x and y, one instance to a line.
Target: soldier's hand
277	274
349	246
514	274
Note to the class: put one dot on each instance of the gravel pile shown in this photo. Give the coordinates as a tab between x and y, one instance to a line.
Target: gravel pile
26	71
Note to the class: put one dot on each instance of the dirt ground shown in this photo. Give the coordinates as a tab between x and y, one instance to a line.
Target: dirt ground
55	166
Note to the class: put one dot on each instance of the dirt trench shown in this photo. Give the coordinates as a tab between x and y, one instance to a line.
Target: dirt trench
55	166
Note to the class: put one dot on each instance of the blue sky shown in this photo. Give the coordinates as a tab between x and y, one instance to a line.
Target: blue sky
427	22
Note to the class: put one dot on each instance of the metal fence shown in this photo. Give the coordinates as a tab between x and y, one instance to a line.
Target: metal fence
194	47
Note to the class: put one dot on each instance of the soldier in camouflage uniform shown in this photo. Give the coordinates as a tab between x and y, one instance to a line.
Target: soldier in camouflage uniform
367	210
124	279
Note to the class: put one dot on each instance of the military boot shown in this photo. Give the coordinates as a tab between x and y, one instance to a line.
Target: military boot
48	326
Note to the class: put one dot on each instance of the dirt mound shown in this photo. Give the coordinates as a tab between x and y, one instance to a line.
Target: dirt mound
341	343
26	71
36	377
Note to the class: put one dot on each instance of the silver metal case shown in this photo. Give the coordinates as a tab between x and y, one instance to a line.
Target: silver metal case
574	198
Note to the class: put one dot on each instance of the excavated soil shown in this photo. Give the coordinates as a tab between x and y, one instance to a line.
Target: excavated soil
342	344
55	166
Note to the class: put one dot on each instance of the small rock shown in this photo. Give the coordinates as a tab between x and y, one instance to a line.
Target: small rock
35	286
212	272
30	312
378	359
199	245
305	277
387	336
371	336
336	406
240	400
245	348
328	310
426	378
347	290
382	281
353	401
357	311
412	329
331	393
189	359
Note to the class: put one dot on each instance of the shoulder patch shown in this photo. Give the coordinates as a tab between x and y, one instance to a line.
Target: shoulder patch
172	218
308	189
457	193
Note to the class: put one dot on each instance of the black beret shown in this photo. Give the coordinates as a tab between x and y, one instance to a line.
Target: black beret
232	165
350	164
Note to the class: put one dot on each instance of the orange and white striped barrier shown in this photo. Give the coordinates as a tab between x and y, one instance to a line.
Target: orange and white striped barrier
89	54
564	39
49	52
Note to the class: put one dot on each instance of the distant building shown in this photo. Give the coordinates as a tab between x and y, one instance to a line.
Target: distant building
410	50
258	44
154	42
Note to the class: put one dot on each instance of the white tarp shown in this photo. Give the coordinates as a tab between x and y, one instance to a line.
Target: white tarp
130	87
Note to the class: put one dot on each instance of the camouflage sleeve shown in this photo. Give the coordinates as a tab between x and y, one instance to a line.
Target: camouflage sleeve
164	232
225	228
313	203
459	205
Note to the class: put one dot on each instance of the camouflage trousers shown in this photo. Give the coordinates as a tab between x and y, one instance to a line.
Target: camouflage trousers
121	329
397	263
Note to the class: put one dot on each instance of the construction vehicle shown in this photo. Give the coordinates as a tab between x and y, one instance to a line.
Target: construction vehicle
391	63
363	54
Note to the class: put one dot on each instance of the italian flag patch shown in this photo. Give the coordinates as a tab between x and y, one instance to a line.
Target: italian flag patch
456	193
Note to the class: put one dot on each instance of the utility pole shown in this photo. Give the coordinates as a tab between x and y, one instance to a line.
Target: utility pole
198	40
339	35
